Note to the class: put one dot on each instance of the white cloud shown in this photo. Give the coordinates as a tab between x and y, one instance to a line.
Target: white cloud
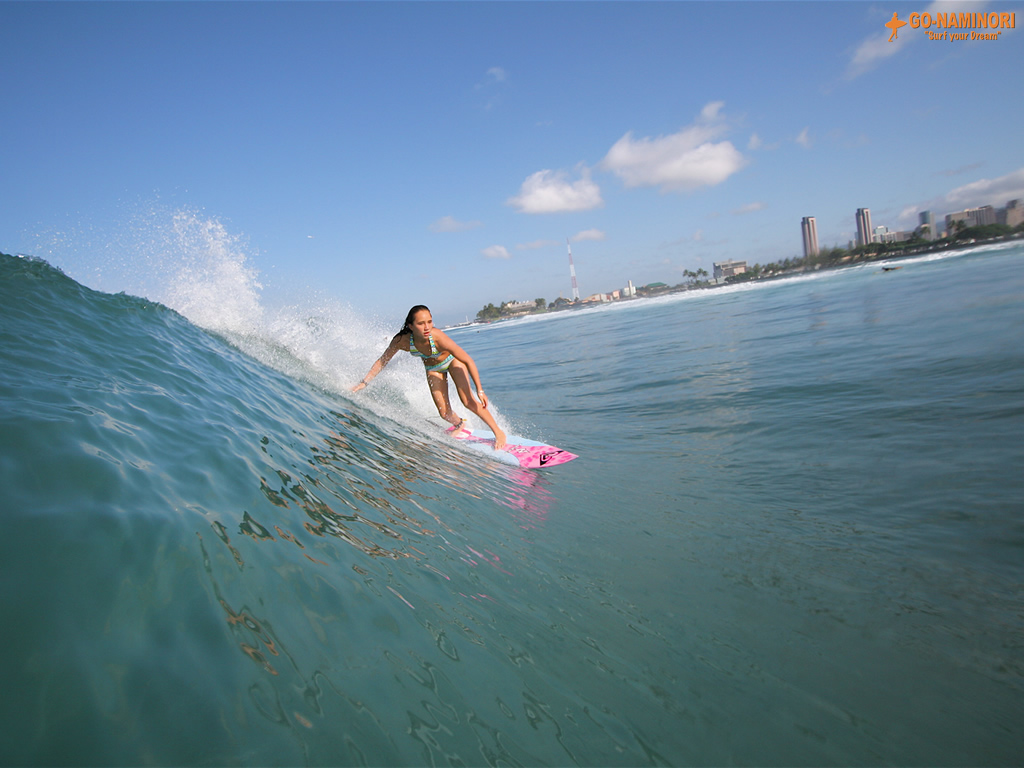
873	50
755	142
588	234
908	214
749	208
960	170
496	252
994	192
680	161
538	244
711	111
450	224
492	86
877	47
804	138
551	192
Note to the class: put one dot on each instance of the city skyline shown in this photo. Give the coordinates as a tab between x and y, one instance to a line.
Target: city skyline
1012	214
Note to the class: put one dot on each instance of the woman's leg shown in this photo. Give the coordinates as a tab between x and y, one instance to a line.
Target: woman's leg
460	375
438	383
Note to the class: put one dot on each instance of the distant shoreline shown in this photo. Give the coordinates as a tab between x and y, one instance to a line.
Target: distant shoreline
850	260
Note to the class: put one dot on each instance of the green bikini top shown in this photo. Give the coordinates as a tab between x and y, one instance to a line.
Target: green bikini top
441	366
416	352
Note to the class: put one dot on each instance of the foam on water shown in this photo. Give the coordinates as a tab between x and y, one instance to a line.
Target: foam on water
190	261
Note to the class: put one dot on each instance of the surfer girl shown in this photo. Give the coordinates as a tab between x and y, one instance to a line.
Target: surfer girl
441	356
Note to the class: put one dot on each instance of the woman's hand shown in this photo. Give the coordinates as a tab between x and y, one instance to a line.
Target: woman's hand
359	386
482	397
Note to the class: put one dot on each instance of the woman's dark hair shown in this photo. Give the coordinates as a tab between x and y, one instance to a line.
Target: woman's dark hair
409	318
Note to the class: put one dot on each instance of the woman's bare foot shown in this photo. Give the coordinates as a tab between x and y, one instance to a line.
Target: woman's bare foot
499	439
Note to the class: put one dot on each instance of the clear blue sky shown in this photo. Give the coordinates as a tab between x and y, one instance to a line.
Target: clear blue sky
388	154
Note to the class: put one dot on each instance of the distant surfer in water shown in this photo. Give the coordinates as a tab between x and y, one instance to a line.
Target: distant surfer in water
440	356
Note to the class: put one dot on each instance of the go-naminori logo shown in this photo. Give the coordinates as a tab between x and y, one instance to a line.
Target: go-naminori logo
969	25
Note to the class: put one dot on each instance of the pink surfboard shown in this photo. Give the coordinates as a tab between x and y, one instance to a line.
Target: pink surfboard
518	450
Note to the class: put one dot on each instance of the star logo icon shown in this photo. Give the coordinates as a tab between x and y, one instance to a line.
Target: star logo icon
894	24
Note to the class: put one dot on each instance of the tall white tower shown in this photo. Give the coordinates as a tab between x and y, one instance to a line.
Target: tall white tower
810	231
864	231
572	274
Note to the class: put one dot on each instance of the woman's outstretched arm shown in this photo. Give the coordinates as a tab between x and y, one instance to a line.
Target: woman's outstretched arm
378	366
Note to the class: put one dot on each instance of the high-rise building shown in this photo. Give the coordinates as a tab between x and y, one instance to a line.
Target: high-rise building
810	232
972	217
1013	214
927	225
863	226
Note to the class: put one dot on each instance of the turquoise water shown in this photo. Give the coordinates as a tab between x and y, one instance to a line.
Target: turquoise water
794	534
